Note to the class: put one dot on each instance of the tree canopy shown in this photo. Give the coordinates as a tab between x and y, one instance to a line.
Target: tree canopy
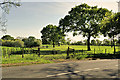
32	42
6	4
84	19
51	34
106	42
98	42
7	37
93	42
111	27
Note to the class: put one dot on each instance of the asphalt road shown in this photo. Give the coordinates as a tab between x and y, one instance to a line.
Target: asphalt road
77	69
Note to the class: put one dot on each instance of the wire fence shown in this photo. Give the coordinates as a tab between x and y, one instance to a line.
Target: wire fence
7	52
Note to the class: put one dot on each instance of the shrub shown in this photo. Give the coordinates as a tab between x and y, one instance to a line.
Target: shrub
0	42
18	43
37	42
10	43
32	42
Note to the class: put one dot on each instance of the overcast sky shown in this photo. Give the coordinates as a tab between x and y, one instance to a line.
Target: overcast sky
31	17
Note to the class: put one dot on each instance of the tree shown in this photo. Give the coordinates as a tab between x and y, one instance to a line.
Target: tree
111	27
9	3
63	41
5	6
0	42
51	34
85	20
115	41
98	42
85	42
31	38
32	42
8	43
13	43
77	43
18	43
106	42
93	42
37	43
7	37
68	41
118	42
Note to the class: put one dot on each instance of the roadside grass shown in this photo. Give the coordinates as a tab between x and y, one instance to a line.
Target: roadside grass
54	57
28	58
32	58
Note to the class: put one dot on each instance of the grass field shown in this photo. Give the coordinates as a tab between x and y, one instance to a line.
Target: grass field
76	47
47	57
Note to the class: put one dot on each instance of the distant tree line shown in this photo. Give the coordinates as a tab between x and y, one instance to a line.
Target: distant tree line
10	41
97	42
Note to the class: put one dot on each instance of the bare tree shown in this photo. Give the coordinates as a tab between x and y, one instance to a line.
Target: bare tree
5	6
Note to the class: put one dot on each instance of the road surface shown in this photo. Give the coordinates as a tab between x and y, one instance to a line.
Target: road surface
74	69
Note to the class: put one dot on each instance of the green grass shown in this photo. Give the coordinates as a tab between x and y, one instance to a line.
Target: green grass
47	57
27	59
98	49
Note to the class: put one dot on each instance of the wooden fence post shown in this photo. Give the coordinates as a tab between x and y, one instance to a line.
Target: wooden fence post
11	51
31	51
8	51
4	52
82	51
114	50
39	52
105	51
68	53
16	50
73	52
23	53
94	50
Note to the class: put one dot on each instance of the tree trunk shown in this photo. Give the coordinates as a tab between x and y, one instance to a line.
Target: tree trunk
53	44
68	54
114	44
88	42
38	52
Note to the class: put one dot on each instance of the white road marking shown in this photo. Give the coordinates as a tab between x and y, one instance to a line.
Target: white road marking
72	72
116	65
50	75
76	71
113	76
88	69
61	74
96	68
